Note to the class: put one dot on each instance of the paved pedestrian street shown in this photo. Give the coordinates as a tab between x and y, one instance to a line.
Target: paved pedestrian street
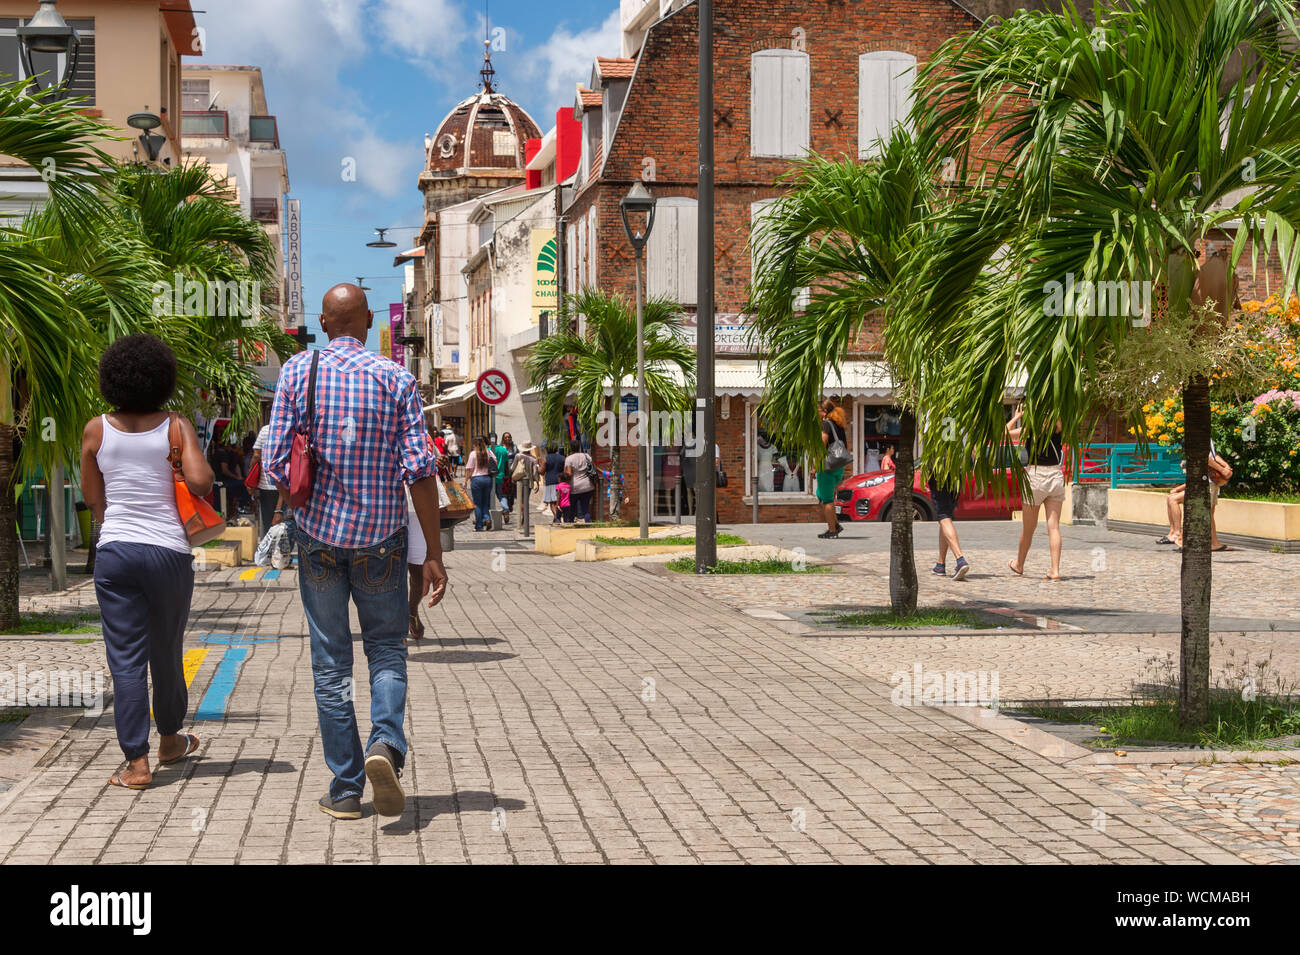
569	712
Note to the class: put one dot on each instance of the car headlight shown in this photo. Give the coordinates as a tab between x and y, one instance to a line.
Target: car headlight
872	482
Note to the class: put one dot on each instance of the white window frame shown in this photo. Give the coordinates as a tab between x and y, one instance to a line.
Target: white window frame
897	97
591	246
791	112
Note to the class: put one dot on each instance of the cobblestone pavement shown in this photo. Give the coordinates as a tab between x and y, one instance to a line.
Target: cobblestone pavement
574	713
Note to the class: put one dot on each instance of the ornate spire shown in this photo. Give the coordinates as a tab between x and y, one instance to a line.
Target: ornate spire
487	72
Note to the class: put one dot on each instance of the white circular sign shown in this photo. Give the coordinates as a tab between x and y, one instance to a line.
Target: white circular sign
493	387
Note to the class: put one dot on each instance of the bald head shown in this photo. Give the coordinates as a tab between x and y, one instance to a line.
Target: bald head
345	312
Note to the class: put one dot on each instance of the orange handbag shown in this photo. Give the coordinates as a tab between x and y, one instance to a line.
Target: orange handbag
201	521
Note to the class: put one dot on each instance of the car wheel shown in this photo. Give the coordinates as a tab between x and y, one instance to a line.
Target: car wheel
920	512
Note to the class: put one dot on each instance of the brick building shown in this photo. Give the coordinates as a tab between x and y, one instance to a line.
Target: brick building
790	76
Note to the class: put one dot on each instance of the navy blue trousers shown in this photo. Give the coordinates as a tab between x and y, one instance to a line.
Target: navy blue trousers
144	599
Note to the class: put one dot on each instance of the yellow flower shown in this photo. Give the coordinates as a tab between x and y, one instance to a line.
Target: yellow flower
1169	403
1178	415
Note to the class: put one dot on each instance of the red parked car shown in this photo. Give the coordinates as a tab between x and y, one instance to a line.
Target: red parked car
870	496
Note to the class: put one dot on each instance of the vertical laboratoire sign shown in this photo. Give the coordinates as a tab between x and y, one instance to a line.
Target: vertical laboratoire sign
294	314
396	321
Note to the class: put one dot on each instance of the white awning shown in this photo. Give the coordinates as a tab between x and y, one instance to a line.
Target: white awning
452	396
747	379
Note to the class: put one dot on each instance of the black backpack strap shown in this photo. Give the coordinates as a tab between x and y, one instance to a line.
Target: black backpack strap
311	392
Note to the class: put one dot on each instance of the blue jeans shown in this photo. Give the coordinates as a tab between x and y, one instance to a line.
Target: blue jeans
480	489
375	579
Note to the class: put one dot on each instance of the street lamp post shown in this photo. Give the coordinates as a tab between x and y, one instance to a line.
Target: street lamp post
48	32
706	518
639	204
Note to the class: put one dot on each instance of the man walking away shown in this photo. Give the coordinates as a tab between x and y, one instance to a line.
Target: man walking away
367	435
945	505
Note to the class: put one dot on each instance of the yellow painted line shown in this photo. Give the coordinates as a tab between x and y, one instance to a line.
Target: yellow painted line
250	574
190	664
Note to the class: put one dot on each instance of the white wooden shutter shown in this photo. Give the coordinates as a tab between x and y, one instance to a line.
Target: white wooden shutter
795	82
671	253
757	210
581	263
778	103
885	80
571	259
592	247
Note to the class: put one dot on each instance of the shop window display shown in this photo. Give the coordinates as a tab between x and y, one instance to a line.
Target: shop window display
881	425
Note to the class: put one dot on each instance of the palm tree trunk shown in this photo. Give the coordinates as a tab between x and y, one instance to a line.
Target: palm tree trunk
902	559
8	534
1194	685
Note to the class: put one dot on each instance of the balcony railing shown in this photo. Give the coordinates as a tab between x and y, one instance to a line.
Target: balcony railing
263	129
266	210
205	122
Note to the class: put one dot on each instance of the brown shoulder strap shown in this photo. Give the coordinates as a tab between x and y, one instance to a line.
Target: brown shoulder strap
174	441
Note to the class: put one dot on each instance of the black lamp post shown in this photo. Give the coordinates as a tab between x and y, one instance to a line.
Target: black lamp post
48	32
638	209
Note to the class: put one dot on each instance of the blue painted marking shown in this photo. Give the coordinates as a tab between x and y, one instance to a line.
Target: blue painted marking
271	575
236	639
216	699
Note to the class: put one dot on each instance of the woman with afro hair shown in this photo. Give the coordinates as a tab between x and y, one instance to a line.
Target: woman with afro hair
144	574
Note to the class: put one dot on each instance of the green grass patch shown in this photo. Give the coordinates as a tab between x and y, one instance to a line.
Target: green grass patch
1234	723
924	617
80	621
1272	497
724	540
686	565
13	716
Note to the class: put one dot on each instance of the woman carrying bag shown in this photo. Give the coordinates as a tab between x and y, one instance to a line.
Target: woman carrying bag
144	573
835	437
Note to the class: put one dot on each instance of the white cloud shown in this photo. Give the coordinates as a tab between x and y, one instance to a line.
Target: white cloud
565	59
421	28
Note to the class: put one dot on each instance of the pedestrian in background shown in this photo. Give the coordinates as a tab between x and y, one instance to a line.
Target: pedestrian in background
416	554
267	493
835	437
577	467
945	505
144	572
482	469
1046	490
368	438
507	491
524	473
552	470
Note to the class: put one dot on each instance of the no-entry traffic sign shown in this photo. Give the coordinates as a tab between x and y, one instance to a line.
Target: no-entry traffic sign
493	387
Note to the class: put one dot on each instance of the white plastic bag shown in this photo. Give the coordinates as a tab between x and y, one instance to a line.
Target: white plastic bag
273	549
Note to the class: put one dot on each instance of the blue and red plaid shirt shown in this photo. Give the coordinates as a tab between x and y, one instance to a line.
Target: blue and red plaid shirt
369	435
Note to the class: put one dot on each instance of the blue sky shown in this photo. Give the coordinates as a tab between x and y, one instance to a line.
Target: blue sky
366	79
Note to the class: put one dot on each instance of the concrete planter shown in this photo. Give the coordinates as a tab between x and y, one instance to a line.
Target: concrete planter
554	540
1251	523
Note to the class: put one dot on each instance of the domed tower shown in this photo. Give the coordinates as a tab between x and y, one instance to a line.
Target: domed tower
478	148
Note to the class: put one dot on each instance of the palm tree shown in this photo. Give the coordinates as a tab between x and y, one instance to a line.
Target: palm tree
578	368
849	233
46	353
1126	149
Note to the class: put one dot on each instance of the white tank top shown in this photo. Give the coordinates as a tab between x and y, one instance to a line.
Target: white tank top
141	503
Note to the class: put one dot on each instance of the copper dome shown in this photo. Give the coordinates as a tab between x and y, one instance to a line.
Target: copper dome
485	131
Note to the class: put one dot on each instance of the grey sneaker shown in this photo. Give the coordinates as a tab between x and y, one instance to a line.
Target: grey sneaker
349	807
381	770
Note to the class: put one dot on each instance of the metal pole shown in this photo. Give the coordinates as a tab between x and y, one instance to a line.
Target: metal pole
58	542
706	523
754	483
643	446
